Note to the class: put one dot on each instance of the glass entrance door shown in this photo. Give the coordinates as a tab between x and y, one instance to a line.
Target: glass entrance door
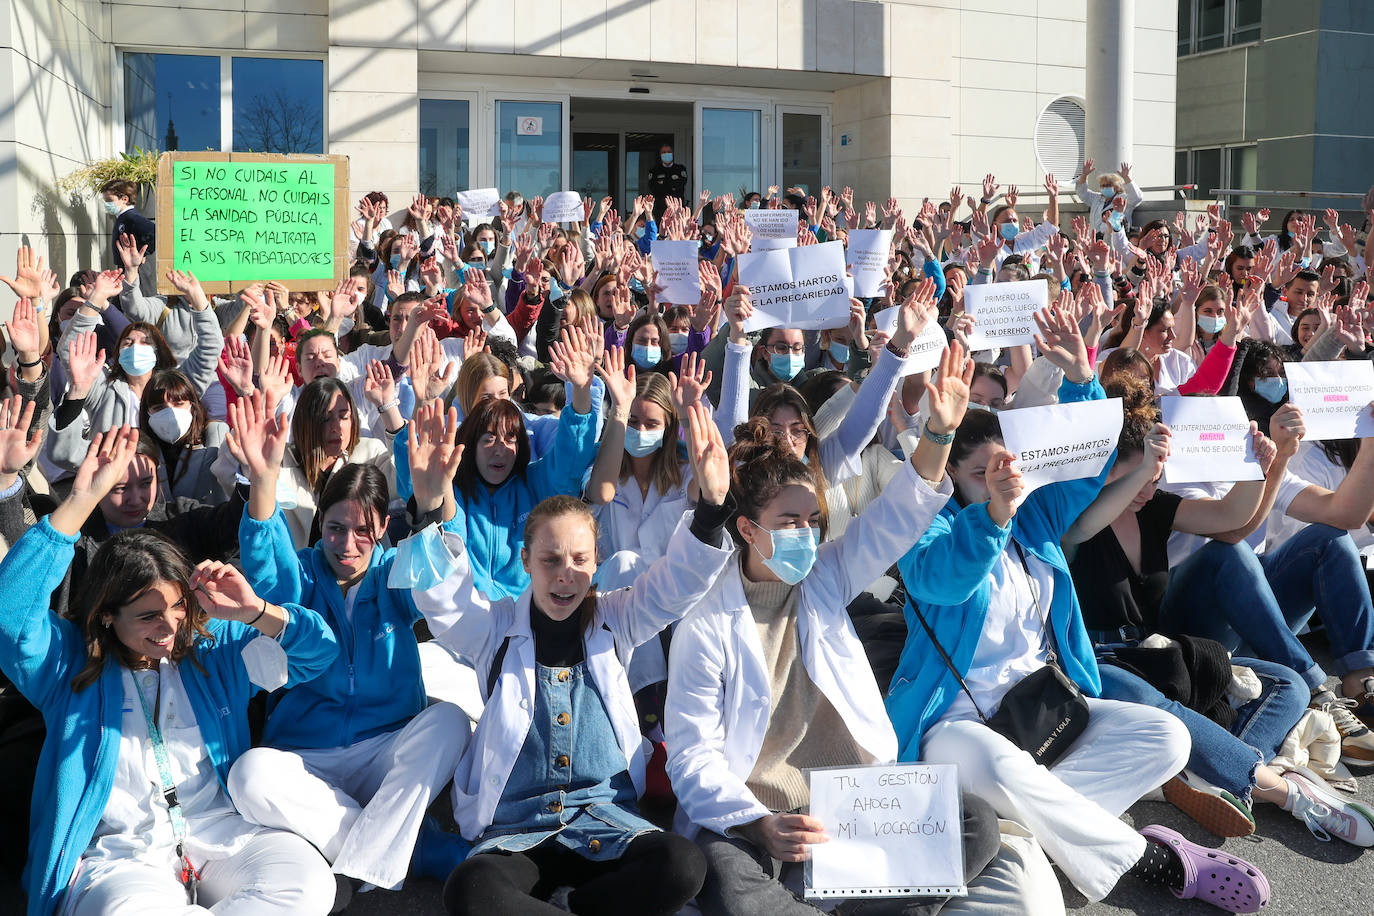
804	149
595	164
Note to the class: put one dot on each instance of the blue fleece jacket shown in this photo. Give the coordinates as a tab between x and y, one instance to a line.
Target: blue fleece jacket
374	684
949	572
41	653
492	522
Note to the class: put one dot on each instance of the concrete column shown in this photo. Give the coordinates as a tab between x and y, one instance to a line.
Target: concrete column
1110	81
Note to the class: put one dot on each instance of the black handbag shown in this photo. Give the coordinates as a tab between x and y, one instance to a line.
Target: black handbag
1045	712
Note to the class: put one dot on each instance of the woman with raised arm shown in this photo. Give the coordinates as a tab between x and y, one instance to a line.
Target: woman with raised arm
547	789
150	675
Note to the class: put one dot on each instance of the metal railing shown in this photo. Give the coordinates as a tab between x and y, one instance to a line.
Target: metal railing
1233	192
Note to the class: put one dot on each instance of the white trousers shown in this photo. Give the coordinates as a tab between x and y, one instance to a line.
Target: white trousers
1074	809
275	873
360	805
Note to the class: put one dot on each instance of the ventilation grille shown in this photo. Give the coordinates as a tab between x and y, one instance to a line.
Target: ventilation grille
1059	133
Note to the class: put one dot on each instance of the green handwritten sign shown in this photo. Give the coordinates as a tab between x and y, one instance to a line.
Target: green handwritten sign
239	221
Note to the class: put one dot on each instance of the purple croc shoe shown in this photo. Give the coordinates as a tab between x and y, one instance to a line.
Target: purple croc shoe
1212	876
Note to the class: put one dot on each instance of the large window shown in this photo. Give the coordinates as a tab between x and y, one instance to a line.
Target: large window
171	102
803	146
176	102
1213	167
278	105
731	154
1205	25
445	150
529	147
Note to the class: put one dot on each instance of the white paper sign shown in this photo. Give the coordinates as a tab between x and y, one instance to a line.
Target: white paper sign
771	229
677	266
796	287
479	205
1061	441
895	831
926	349
1211	440
564	207
1334	397
1003	312
868	251
530	127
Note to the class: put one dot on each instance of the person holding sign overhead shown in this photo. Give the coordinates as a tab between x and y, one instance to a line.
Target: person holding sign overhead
767	678
990	605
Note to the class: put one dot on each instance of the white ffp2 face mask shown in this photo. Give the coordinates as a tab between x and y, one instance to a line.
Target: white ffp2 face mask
265	661
170	424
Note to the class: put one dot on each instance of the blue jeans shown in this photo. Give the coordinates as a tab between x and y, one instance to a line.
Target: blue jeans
1222	593
1226	758
1320	569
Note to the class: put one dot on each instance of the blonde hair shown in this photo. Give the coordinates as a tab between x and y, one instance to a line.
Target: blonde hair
667	471
1112	178
476	369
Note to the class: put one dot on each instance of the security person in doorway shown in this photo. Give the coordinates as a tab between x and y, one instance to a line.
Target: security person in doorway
667	179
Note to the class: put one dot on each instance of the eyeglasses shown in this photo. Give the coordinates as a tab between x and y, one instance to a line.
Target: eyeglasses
783	349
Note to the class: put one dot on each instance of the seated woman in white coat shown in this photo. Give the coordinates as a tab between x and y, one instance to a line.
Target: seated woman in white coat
351	760
767	678
145	686
547	788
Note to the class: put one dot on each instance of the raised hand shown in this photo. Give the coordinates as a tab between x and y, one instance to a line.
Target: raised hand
85	362
947	392
185	283
379	387
131	254
474	341
17	445
990	187
917	311
257	438
434	453
28	273
1005	486
689	387
236	365
430	374
1061	342
571	358
707	456
23	331
618	377
106	461
738	310
275	379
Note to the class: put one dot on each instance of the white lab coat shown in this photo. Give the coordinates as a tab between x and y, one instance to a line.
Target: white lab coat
719	690
474	626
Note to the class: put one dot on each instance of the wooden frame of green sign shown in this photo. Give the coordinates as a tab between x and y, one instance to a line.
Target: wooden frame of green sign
251	224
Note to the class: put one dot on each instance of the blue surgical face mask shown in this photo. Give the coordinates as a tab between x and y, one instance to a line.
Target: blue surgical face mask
794	552
1108	193
639	232
641	442
667	158
476	265
1271	389
974	405
678	343
487	247
556	290
839	352
111	207
1116	219
786	365
138	359
1306	262
1211	324
1009	230
753	205
395	261
646	357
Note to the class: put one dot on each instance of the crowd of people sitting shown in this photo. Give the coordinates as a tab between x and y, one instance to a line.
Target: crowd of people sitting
490	512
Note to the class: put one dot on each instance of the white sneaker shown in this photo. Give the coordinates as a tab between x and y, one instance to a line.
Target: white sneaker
1328	815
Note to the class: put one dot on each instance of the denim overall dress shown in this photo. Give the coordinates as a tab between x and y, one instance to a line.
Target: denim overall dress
570	781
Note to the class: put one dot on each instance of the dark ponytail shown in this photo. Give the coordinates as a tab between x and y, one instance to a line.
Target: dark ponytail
762	467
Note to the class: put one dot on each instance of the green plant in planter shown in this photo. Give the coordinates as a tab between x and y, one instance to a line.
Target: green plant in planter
139	166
